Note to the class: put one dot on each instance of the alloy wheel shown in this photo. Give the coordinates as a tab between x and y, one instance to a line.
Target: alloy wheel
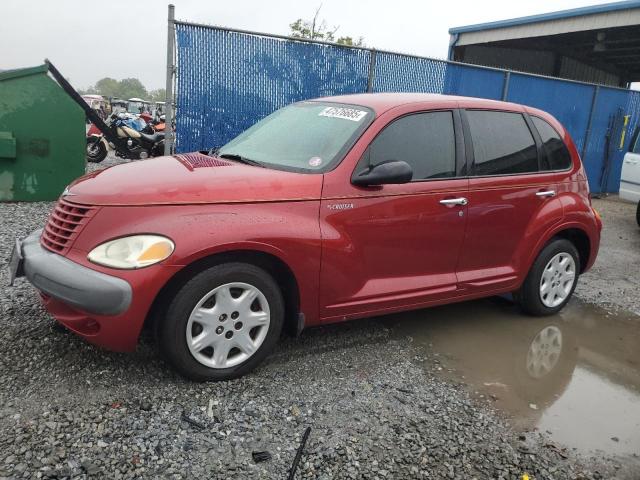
544	352
228	325
557	280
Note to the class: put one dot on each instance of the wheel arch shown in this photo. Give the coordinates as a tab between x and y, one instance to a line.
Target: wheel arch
272	264
581	241
576	235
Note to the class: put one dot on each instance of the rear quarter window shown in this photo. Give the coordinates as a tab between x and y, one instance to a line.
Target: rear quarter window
502	143
556	153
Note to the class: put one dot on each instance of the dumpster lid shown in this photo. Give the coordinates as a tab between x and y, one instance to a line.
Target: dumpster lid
23	72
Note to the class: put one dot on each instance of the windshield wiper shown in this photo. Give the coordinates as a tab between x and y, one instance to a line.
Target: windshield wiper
241	159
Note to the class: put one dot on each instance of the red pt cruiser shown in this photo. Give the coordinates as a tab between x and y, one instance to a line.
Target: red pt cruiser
327	210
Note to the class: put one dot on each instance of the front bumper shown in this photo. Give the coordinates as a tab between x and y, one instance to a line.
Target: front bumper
71	283
74	293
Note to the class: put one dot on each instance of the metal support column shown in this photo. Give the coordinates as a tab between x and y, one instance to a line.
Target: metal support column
505	87
587	134
169	116
372	68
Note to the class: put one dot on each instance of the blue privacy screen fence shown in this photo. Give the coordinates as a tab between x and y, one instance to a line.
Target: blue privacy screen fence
226	80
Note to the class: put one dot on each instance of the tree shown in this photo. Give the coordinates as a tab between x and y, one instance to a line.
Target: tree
158	95
125	88
132	87
107	87
90	90
351	42
316	29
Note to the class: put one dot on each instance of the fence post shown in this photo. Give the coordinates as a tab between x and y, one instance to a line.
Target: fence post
505	88
169	116
372	67
588	132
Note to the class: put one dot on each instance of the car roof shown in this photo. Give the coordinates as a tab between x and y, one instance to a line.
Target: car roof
381	102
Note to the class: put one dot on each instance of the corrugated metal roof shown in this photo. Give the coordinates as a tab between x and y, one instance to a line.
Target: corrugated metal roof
600	21
544	17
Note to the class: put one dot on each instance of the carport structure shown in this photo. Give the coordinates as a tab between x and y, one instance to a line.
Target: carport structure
597	44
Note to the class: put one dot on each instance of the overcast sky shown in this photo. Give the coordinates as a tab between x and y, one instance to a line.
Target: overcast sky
88	39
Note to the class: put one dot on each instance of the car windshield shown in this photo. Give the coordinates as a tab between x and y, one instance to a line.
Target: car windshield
304	137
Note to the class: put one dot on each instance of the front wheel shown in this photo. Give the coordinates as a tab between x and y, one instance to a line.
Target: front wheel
551	280
638	214
158	149
222	323
96	150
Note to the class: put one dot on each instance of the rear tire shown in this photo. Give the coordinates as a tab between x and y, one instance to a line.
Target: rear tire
222	323
638	214
96	150
551	280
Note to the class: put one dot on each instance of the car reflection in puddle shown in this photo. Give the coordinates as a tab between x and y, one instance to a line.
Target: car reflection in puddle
575	375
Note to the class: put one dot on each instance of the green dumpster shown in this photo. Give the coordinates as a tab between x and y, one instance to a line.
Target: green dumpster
42	136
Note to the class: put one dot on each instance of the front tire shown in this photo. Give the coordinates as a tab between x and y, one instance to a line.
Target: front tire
96	150
551	280
638	214
158	149
222	323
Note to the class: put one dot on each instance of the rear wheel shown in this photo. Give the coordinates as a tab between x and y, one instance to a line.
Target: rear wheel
551	280
222	323
545	362
96	150
638	214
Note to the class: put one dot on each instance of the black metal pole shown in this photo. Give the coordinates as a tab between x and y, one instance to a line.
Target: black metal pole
119	143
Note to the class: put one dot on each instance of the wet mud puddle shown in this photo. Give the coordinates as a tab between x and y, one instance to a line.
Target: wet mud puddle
575	375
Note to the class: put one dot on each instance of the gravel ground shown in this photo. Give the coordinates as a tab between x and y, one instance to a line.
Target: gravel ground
614	280
68	409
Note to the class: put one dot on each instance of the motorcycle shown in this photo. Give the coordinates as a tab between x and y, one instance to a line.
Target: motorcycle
141	140
154	123
159	124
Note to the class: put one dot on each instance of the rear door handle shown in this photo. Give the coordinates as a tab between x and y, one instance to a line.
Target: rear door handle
546	193
454	201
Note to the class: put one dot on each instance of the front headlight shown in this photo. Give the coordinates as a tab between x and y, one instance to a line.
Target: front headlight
136	251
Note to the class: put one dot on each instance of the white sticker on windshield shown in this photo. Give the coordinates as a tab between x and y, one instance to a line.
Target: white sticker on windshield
315	161
342	112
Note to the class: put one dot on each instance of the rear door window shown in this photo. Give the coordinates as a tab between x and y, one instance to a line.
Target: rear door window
502	143
426	141
557	156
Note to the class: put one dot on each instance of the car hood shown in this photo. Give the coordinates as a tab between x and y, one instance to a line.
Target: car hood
191	178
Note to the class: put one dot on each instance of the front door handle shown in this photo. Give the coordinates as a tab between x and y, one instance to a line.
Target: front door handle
546	193
454	201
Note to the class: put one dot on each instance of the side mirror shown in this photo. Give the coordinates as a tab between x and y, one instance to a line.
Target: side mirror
390	172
